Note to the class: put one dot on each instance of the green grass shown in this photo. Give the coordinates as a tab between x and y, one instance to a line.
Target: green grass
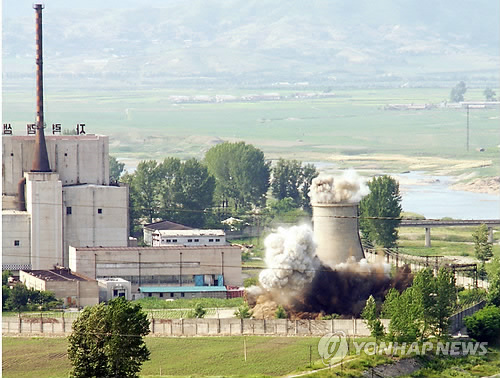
350	124
157	303
203	356
445	241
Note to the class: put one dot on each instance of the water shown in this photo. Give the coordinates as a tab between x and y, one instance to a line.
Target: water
432	197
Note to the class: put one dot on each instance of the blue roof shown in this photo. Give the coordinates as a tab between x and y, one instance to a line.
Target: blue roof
181	289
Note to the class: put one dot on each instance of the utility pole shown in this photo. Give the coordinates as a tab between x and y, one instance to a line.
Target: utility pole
467	128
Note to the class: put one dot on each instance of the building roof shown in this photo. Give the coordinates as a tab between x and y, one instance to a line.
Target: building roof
181	289
192	232
156	249
166	225
56	275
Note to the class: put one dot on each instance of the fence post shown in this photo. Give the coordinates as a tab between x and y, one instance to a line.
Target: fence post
152	325
20	324
296	327
41	322
182	326
63	323
218	326
241	326
264	325
331	326
309	325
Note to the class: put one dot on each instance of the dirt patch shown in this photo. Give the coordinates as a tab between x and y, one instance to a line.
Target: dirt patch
490	185
401	367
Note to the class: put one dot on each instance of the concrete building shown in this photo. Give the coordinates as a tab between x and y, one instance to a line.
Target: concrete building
46	212
194	237
165	266
74	289
148	229
177	292
111	288
55	190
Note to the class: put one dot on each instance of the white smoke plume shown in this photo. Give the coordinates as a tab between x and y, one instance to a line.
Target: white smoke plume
349	187
290	259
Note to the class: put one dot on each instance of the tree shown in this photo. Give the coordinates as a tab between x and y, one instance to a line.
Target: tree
405	313
383	201
115	169
494	279
199	311
107	340
18	298
372	321
291	179
241	174
145	187
457	93
484	325
489	94
243	312
446	299
482	248
280	313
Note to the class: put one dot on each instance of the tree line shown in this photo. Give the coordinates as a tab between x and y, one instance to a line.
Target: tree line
232	179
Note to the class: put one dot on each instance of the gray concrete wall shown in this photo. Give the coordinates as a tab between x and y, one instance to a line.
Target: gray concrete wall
77	159
204	327
16	226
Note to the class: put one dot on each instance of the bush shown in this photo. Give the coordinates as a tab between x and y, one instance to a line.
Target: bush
280	313
484	325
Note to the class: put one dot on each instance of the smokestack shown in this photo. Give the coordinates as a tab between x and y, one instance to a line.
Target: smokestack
40	158
336	232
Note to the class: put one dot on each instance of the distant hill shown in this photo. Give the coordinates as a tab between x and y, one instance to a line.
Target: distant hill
256	42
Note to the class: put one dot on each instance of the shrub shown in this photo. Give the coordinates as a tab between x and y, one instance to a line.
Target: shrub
484	325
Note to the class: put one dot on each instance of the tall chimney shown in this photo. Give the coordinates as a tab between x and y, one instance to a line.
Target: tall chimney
40	158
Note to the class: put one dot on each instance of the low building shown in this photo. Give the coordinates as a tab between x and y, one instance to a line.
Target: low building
176	292
74	289
148	229
164	266
111	288
192	237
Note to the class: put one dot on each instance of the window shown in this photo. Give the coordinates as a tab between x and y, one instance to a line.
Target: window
99	211
190	240
161	295
210	240
68	210
169	240
171	295
150	294
196	240
174	240
217	240
115	293
17	243
182	295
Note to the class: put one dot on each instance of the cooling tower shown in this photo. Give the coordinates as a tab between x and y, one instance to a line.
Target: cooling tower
336	232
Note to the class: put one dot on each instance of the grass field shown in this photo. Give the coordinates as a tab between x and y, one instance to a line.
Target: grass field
146	125
203	356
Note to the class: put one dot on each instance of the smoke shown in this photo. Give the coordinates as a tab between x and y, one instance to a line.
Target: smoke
349	187
298	280
290	259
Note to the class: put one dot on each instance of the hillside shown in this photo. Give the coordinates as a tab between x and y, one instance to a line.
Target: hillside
256	42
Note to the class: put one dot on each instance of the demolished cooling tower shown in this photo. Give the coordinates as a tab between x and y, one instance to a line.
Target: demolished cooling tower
335	217
336	232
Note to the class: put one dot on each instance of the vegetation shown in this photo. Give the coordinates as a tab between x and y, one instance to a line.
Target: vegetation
107	340
173	190
115	169
157	303
19	298
494	278
243	312
482	248
241	174
199	311
383	201
457	93
280	313
372	320
489	94
484	325
291	179
422	309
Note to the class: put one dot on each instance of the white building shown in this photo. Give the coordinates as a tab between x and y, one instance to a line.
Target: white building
194	237
72	203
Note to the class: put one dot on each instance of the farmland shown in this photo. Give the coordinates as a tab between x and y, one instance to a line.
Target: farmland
349	129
